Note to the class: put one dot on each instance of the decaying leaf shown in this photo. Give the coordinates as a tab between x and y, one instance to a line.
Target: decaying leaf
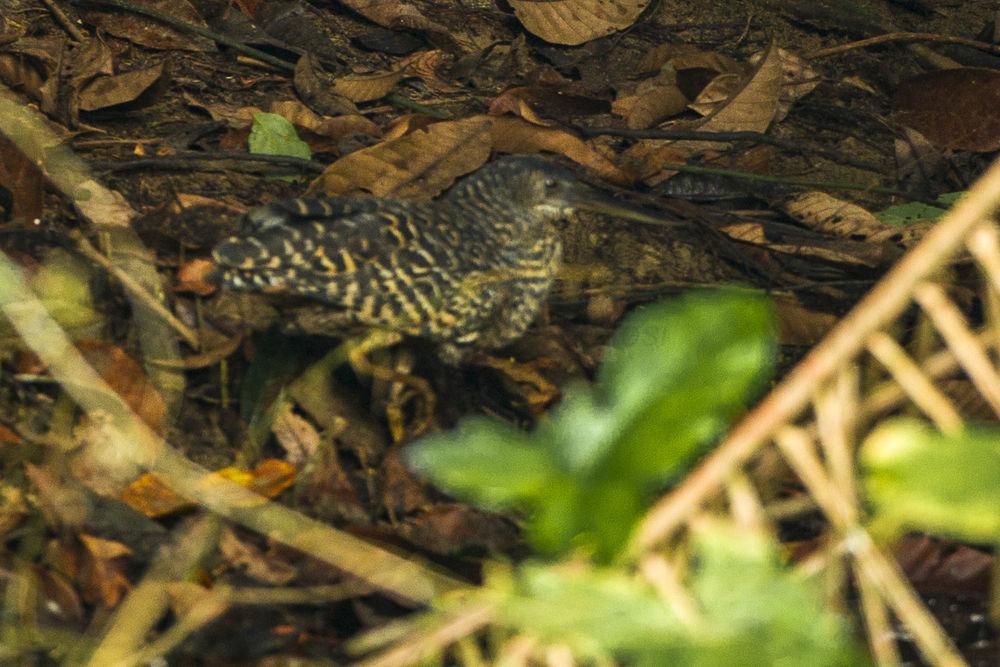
128	87
154	499
368	87
102	576
576	21
127	378
394	14
417	166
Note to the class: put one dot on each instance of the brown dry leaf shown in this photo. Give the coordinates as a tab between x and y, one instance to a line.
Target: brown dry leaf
153	498
826	213
8	437
129	87
102	576
651	104
13	509
954	108
715	94
191	277
331	127
576	21
796	241
314	86
28	65
127	378
799	324
512	102
151	33
208	358
255	564
394	14
25	182
416	166
368	87
753	107
513	135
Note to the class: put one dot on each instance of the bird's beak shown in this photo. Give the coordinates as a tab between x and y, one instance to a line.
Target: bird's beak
591	199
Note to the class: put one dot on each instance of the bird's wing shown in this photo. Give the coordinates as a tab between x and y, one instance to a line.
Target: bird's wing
384	263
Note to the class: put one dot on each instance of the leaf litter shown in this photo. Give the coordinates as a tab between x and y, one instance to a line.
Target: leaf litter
519	77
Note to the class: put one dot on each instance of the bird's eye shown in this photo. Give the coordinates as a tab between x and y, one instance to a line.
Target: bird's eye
551	184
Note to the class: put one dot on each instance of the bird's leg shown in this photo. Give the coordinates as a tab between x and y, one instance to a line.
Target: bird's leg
358	355
536	390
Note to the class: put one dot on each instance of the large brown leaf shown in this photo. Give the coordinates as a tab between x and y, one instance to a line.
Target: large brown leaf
576	21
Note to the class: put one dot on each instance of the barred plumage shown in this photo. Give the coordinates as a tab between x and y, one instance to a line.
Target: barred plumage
470	270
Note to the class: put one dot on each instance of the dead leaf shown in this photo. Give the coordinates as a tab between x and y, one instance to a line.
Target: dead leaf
576	21
368	87
153	498
25	182
191	277
102	576
953	108
127	378
126	88
514	135
416	166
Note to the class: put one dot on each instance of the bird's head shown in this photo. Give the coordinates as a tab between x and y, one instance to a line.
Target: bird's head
543	190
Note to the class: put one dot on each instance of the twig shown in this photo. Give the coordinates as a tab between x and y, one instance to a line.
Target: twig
912	380
135	289
64	21
902	37
402	577
725	137
799	182
878	308
194	159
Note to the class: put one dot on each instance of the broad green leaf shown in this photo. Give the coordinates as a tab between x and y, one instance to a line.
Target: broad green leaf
271	134
752	610
675	375
758	612
679	370
918	478
485	460
914	211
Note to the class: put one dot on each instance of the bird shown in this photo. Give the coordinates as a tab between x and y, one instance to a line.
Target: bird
469	271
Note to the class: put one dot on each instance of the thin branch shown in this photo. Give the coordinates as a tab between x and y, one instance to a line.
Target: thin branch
902	37
883	304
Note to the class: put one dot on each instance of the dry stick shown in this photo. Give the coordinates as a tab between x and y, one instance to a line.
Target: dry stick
903	37
798	449
64	21
135	289
915	383
384	570
727	137
146	604
959	338
462	622
984	244
881	637
881	306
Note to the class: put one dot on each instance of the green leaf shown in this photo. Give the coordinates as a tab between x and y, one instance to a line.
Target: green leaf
914	211
485	460
675	375
752	611
271	134
678	371
918	478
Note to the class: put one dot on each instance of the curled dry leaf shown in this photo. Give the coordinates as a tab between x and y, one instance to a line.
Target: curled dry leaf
126	376
129	87
576	21
513	135
826	213
153	498
368	87
192	277
954	108
417	166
